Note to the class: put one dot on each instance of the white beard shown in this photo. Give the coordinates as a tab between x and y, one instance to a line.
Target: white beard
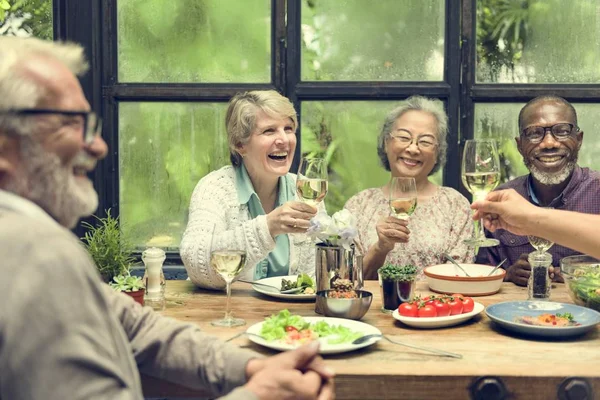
552	179
52	186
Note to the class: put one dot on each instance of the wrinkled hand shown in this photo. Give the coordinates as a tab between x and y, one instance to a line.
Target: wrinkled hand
297	374
519	272
291	217
504	209
391	230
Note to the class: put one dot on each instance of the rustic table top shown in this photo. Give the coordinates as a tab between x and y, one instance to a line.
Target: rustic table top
529	368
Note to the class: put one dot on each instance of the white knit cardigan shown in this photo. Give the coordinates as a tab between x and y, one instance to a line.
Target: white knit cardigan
215	204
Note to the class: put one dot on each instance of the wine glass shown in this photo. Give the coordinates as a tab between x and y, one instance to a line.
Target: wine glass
480	175
403	197
227	259
540	244
311	184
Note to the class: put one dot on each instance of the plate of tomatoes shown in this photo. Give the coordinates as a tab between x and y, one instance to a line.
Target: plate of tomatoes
437	311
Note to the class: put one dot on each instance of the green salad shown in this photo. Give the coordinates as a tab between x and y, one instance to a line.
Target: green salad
304	281
585	287
293	329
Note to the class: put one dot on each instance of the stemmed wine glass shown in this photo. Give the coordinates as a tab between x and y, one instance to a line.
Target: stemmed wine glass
480	175
311	184
403	197
540	244
227	259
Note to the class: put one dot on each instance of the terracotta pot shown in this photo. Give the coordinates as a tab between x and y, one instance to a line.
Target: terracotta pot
137	296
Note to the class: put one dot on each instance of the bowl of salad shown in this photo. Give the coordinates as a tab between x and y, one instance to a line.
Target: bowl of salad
582	277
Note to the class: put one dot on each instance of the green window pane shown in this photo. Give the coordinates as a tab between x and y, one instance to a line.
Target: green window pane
538	41
383	40
345	133
164	150
194	41
500	121
27	18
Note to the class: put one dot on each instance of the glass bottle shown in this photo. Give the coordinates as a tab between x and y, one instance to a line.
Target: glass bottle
538	287
154	278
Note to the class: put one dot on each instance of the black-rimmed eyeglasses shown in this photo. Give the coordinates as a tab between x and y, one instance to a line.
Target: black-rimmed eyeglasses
92	123
560	132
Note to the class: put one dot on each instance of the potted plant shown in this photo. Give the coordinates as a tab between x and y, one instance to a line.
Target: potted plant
397	285
130	285
111	252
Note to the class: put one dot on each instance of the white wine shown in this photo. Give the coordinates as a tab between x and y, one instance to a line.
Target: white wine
402	208
312	191
228	263
481	183
540	244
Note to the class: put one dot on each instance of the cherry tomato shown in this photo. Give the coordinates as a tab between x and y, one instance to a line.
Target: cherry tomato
291	329
427	311
428	299
408	310
442	308
456	306
468	304
457	296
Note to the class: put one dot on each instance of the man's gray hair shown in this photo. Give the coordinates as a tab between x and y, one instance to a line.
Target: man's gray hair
17	91
417	103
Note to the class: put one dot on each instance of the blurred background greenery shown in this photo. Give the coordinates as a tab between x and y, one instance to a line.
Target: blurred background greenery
166	147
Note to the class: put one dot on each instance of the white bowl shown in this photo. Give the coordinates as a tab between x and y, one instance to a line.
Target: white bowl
447	278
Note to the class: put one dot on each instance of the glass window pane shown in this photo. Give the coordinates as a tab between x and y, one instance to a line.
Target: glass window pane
384	40
194	40
27	18
164	150
538	41
500	121
345	132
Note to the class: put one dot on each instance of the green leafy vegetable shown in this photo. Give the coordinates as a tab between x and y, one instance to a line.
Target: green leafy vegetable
303	281
335	334
566	315
391	272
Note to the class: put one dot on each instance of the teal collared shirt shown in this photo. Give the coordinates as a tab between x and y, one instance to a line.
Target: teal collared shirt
277	262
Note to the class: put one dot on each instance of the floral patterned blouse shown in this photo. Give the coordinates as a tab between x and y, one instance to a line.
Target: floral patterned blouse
438	225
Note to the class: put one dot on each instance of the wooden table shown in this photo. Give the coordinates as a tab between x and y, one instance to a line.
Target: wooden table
529	368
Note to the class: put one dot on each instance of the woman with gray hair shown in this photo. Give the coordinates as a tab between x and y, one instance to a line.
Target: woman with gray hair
412	143
252	203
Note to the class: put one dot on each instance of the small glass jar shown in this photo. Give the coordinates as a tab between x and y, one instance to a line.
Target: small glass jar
395	291
538	286
154	279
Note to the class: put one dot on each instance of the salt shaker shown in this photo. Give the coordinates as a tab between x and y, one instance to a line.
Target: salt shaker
154	278
538	286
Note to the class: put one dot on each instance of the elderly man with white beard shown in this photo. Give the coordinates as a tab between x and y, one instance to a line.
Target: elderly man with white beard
549	141
64	334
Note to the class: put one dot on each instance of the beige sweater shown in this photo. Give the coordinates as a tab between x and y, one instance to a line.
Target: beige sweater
64	334
215	204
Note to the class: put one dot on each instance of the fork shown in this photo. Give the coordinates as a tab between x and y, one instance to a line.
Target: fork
496	267
289	291
456	264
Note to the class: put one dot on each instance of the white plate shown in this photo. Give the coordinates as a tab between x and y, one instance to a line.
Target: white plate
276	281
438	322
326	348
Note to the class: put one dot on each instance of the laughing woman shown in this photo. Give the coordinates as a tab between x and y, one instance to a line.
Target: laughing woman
253	202
412	143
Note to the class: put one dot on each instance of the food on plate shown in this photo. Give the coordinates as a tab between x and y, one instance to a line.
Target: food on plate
437	306
558	320
342	289
293	329
303	281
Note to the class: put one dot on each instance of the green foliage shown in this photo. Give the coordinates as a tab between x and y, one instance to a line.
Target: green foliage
110	250
127	283
36	14
391	272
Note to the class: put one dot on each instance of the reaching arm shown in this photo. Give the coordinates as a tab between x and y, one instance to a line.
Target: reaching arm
506	209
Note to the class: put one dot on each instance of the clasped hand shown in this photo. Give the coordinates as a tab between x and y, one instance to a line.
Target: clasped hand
291	217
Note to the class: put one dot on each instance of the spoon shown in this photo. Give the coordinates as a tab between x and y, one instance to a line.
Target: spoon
456	264
443	353
496	267
289	291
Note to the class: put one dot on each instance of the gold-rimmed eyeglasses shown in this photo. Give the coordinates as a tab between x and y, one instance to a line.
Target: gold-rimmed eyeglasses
405	140
92	123
560	132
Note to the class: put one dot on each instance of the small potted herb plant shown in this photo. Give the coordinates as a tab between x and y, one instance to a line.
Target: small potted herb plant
130	285
397	285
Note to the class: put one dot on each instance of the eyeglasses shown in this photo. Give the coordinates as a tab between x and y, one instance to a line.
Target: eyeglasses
92	123
425	143
560	132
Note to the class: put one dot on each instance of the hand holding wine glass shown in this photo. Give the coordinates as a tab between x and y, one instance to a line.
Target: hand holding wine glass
227	259
311	183
480	175
403	197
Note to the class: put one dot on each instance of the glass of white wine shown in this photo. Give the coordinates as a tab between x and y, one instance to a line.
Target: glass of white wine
480	175
403	197
311	184
227	259
540	244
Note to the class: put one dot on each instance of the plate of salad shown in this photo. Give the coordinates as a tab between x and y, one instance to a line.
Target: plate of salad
286	331
285	283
